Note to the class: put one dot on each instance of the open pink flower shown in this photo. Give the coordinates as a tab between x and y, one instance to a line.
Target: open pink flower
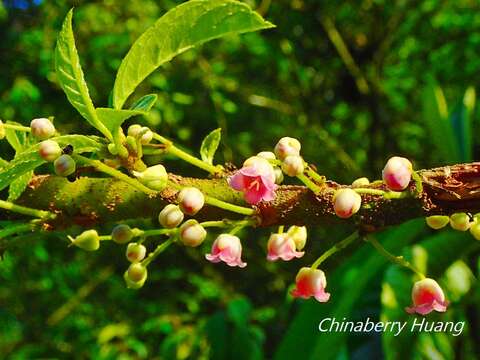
282	246
311	282
427	296
227	248
256	179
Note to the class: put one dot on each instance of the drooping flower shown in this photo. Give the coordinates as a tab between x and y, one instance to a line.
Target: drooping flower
256	179
427	296
397	173
311	282
227	248
282	246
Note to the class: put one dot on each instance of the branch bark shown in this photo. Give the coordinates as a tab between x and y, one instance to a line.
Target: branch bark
89	201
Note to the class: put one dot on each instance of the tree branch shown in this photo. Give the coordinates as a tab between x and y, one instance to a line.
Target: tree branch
89	201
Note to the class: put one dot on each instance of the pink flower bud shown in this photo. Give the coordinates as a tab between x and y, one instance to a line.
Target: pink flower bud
427	296
282	246
437	221
42	128
460	221
256	179
360	182
49	150
171	216
135	252
192	233
190	200
64	165
397	173
299	236
227	248
311	282
346	203
287	146
135	276
292	165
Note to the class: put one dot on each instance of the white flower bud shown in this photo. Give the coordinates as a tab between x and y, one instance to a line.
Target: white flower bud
346	203
292	165
134	130
267	155
155	177
136	252
287	146
192	233
146	135
190	200
171	216
42	128
122	234
360	182
49	150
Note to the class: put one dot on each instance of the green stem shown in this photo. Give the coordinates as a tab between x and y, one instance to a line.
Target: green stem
18	229
385	194
160	248
399	260
309	183
17	127
314	175
172	149
114	173
418	183
156	232
335	248
230	207
42	214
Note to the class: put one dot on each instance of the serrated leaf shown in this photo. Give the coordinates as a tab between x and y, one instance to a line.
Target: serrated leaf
145	103
185	26
210	145
29	159
70	76
113	118
18	186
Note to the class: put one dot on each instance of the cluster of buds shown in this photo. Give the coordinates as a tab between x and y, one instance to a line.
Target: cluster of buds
141	133
288	152
458	221
287	246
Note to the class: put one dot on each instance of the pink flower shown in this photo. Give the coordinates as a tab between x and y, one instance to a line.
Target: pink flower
282	246
227	248
427	296
256	179
397	173
311	282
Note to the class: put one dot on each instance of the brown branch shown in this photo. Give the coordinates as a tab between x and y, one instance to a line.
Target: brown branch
88	201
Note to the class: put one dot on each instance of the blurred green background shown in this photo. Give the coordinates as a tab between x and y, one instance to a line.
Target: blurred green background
356	81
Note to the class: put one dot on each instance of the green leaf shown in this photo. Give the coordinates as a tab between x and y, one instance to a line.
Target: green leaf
461	121
70	76
18	186
29	159
3	163
210	145
113	118
18	140
187	25
145	103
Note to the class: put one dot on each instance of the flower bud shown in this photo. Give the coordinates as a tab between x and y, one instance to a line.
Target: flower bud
146	135
267	155
287	146
437	221
134	130
155	177
311	282
113	163
192	233
346	203
460	221
227	248
49	150
292	165
135	252
278	175
135	276
475	230
64	165
42	128
397	173
171	216
360	182
122	234
88	240
299	236
282	246
2	130
190	200
427	296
